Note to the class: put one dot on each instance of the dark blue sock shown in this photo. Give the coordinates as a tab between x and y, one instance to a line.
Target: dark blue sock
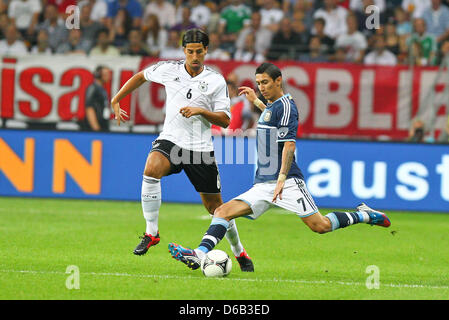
343	219
214	234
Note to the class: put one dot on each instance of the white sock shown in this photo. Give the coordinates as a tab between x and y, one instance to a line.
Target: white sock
232	235
151	202
200	254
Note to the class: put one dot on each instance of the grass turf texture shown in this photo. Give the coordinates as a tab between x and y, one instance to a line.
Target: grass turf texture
41	237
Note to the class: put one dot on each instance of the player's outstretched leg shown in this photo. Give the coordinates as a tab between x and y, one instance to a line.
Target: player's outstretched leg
364	214
338	219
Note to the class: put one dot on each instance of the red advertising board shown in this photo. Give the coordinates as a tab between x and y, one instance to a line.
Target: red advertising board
334	99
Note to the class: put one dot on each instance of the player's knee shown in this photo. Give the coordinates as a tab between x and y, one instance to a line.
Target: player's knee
153	171
319	228
221	212
211	207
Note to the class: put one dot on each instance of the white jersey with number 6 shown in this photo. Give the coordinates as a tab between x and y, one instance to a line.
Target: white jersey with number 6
207	90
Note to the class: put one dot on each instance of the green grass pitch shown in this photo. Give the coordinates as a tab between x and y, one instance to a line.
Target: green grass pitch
40	238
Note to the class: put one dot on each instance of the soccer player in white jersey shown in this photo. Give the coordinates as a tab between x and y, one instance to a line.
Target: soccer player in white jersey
197	97
278	181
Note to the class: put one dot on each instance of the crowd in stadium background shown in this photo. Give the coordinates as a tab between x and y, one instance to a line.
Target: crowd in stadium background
411	32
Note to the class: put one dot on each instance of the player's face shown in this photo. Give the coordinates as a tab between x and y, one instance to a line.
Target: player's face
269	88
195	53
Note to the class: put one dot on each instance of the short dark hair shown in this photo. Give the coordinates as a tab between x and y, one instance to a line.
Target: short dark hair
272	70
195	35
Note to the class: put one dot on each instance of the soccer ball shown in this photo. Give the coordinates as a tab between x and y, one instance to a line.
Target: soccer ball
216	263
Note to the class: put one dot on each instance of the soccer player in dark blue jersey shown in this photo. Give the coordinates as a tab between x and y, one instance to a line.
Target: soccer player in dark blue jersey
278	181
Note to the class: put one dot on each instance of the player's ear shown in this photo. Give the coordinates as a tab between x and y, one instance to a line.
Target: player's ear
278	81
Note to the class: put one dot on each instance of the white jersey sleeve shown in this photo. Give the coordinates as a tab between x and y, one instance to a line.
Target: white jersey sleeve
157	71
221	98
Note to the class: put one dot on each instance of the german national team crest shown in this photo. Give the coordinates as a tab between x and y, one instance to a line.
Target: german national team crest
202	86
267	116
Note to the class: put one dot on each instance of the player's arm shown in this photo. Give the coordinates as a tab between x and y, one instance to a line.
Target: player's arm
251	96
132	84
218	118
287	158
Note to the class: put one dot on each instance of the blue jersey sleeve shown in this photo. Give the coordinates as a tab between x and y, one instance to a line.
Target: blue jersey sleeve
287	120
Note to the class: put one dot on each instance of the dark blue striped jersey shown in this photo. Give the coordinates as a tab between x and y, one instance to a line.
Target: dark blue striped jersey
277	124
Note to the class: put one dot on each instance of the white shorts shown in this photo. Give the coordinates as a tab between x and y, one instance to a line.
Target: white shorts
295	198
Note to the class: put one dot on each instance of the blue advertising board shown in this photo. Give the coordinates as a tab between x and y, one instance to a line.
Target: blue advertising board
339	174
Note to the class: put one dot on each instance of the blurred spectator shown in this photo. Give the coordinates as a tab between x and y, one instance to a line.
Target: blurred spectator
3	6
214	20
415	8
335	17
55	27
99	11
164	10
316	53
214	52
154	35
135	45
285	43
11	45
120	28
4	22
443	55
340	56
437	20
403	25
262	35
353	41
248	52
358	5
327	43
61	6
271	15
97	102
24	15
42	46
185	23
233	18
423	45
199	13
417	130
391	38
74	44
299	27
173	50
133	8
380	55
305	8
89	28
103	45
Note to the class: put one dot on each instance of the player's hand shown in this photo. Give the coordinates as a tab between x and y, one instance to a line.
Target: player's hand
190	111
249	93
278	191
120	114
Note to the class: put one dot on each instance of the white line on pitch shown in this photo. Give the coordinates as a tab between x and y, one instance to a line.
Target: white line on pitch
344	283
